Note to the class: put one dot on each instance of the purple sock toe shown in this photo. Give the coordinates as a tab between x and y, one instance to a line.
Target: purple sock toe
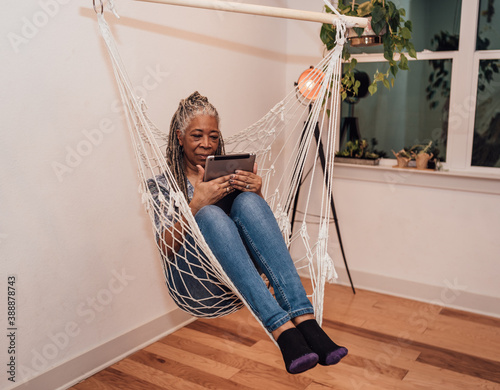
335	356
303	363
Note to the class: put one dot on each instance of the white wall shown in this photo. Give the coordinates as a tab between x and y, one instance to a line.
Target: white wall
71	217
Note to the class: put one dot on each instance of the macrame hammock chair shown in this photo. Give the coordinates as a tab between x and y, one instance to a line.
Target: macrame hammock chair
283	123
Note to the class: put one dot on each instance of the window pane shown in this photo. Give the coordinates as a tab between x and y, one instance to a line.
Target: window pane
436	25
486	147
414	112
488	34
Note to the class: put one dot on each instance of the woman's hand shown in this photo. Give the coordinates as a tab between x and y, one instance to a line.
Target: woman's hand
247	181
209	192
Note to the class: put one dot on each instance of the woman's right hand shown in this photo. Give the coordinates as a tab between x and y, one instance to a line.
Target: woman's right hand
210	192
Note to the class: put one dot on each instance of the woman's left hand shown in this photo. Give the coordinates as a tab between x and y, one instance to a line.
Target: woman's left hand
247	181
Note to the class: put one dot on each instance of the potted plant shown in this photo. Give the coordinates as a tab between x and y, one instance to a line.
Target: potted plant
403	157
358	152
388	24
422	154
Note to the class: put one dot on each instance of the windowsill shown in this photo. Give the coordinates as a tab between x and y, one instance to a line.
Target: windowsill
478	182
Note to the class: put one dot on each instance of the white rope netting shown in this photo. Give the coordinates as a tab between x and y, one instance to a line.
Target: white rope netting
283	145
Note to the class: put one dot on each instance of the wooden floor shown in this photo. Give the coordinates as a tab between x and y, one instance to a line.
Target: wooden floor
393	343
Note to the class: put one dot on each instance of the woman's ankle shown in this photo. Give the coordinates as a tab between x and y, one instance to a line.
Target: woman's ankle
305	317
277	332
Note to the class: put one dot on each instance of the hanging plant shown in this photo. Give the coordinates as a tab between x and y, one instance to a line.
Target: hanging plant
387	22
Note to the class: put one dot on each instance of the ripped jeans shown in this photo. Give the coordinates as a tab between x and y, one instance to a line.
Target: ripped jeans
246	239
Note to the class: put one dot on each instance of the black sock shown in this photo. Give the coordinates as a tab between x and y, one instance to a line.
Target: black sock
329	353
297	355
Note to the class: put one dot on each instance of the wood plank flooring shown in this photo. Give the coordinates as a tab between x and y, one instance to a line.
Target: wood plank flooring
393	343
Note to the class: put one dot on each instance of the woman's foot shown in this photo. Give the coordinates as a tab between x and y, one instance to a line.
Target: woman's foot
328	352
297	356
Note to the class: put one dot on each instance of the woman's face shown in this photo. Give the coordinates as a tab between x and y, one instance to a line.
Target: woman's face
200	140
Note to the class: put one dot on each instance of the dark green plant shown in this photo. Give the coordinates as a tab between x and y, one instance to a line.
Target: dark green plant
422	148
380	153
395	38
358	149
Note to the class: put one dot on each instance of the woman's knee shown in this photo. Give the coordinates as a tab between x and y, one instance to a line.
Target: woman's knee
209	213
250	204
212	219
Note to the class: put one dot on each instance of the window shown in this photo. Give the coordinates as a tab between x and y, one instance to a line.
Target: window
486	146
450	96
488	34
411	113
486	138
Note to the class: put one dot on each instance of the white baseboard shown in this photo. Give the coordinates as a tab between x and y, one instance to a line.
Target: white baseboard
71	372
446	296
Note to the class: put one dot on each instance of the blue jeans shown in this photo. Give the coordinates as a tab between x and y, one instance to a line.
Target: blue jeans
250	233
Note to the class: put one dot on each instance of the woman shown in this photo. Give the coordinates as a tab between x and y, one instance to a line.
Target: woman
244	241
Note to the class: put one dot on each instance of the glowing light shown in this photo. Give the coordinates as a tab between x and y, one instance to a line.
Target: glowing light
309	83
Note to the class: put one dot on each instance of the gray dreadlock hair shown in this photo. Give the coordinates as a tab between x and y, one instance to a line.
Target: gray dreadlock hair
189	108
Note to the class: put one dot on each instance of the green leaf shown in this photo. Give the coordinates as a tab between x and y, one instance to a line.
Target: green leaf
358	30
379	76
394	70
409	25
372	89
403	62
365	8
392	82
357	84
378	19
378	14
411	50
386	84
405	33
327	35
344	95
391	9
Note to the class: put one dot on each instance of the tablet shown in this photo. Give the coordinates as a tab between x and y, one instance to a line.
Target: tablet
217	166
